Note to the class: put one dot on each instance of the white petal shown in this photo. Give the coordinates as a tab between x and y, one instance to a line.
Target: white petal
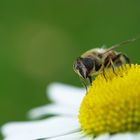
40	129
66	95
55	109
16	137
103	137
73	136
126	136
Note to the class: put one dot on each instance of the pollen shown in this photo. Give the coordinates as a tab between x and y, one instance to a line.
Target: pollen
112	103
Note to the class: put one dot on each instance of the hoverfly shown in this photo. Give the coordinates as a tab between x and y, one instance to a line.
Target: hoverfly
96	60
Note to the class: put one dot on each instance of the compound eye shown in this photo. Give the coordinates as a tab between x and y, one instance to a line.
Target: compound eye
88	62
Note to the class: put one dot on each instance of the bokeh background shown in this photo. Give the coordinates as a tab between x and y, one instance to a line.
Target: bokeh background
40	39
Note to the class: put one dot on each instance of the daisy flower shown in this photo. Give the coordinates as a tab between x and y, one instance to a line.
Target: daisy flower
110	110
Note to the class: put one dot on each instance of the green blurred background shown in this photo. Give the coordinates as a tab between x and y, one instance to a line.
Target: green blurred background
39	40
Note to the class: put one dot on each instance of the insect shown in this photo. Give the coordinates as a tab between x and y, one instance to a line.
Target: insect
96	60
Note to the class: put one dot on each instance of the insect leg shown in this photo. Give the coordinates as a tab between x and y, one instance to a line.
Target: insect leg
112	66
110	63
104	74
90	79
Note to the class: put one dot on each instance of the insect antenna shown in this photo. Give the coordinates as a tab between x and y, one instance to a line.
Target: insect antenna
121	44
56	136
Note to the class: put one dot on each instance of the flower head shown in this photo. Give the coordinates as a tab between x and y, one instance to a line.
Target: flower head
112	105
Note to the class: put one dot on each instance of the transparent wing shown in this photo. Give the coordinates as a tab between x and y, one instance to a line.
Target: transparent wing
120	44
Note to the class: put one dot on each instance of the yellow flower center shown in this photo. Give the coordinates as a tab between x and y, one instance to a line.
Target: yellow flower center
112	105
